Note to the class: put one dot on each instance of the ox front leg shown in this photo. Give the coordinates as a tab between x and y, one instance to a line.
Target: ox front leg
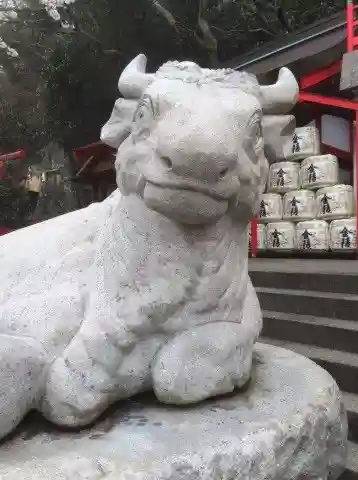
99	367
205	361
82	381
23	365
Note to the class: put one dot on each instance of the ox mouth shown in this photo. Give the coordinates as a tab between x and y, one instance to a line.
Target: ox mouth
186	205
219	193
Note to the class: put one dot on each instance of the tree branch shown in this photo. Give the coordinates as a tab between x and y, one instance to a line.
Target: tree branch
283	17
78	30
21	9
232	31
262	30
278	11
30	47
77	27
266	25
208	39
164	12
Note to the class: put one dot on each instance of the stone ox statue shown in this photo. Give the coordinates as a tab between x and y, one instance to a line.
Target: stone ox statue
150	288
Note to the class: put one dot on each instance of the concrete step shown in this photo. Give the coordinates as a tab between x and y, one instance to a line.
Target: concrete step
351	472
302	280
309	302
342	366
322	332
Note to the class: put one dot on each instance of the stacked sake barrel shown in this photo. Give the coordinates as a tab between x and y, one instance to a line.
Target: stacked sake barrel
305	207
334	226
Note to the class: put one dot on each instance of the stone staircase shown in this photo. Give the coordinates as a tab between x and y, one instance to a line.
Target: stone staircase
311	307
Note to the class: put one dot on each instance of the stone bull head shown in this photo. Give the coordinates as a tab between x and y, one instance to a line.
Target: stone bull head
193	142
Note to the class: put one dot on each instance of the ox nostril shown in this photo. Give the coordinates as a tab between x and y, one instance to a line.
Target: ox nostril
167	162
223	172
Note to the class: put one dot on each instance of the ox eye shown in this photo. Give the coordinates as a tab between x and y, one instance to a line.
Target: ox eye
257	136
144	113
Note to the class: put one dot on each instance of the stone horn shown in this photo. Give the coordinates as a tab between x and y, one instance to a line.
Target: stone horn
133	81
280	97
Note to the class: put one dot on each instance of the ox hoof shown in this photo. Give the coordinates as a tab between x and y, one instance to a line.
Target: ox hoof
67	400
203	362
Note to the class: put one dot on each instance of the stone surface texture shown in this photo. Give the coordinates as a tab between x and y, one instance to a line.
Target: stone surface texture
289	424
349	71
150	289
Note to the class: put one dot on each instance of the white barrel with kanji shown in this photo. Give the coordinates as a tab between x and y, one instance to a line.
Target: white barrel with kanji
270	207
312	235
299	205
343	234
319	171
306	142
280	236
261	237
283	177
335	202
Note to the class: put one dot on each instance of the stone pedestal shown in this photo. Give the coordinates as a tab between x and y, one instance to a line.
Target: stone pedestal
288	424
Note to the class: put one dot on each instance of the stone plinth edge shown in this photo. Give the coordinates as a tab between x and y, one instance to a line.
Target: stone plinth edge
288	424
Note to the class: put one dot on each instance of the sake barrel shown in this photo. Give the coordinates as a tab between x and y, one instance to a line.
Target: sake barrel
270	207
261	237
305	143
319	171
299	205
335	202
283	177
280	236
343	234
312	235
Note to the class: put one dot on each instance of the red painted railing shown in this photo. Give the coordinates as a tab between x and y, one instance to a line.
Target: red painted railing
19	155
352	38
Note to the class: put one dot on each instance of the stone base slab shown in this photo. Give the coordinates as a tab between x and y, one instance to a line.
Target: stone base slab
288	424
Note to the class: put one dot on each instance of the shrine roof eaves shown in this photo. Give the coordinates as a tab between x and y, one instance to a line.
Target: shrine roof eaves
323	35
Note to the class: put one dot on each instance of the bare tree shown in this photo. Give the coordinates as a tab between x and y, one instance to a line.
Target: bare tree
269	17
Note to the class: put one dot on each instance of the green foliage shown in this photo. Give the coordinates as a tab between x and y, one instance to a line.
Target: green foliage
74	71
84	67
77	95
305	12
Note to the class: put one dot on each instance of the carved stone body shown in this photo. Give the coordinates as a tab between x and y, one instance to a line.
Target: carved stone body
149	289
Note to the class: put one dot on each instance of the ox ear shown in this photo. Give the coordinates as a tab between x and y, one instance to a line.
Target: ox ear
278	133
119	125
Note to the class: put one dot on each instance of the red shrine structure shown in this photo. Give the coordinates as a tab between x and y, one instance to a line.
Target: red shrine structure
329	88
